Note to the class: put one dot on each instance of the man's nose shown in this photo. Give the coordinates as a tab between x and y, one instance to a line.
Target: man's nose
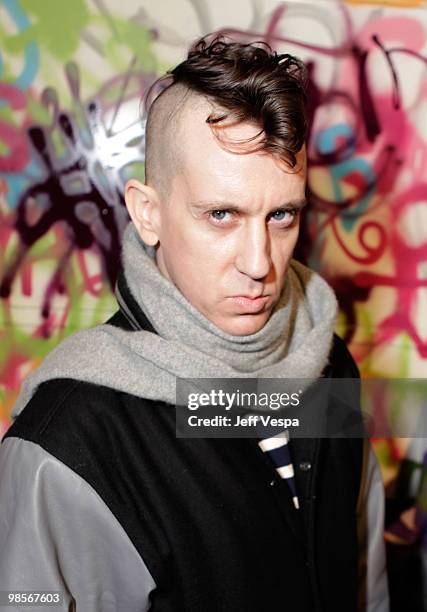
253	251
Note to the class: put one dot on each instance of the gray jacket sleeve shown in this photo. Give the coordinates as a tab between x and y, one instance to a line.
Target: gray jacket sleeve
373	592
57	534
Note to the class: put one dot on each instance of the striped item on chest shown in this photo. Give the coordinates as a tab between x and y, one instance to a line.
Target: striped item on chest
276	447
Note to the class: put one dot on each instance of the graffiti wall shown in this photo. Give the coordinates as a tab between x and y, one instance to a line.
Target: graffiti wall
72	75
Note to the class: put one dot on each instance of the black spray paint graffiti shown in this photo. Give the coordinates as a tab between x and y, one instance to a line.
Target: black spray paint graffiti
82	187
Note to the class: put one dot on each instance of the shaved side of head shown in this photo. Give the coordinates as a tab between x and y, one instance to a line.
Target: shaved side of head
164	138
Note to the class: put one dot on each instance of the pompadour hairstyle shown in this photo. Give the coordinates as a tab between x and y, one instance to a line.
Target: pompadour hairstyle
251	83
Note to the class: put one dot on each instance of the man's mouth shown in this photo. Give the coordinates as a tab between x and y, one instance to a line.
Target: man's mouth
250	304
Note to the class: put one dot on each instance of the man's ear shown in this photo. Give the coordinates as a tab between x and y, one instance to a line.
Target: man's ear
143	203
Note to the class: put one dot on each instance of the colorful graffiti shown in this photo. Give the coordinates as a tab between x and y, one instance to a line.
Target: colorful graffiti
71	134
63	167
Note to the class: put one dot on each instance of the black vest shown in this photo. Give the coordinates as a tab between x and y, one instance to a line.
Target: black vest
211	518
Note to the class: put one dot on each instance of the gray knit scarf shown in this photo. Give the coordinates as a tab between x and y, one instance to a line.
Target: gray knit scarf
294	343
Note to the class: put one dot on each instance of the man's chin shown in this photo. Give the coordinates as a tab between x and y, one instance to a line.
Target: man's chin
244	325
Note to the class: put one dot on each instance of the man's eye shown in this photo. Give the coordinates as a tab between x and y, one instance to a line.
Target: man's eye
284	215
218	215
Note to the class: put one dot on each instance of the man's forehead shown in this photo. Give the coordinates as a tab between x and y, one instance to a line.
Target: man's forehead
231	135
184	113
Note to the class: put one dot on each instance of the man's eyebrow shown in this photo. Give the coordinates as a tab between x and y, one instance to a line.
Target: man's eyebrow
234	206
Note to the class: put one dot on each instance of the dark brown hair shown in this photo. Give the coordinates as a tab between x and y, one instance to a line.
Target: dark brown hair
253	83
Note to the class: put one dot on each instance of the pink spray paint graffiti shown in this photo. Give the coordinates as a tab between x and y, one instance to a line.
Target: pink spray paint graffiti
13	140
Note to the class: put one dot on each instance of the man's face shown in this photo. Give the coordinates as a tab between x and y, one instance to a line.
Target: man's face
229	228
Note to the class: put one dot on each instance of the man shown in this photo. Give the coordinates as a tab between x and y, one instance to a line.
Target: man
100	500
